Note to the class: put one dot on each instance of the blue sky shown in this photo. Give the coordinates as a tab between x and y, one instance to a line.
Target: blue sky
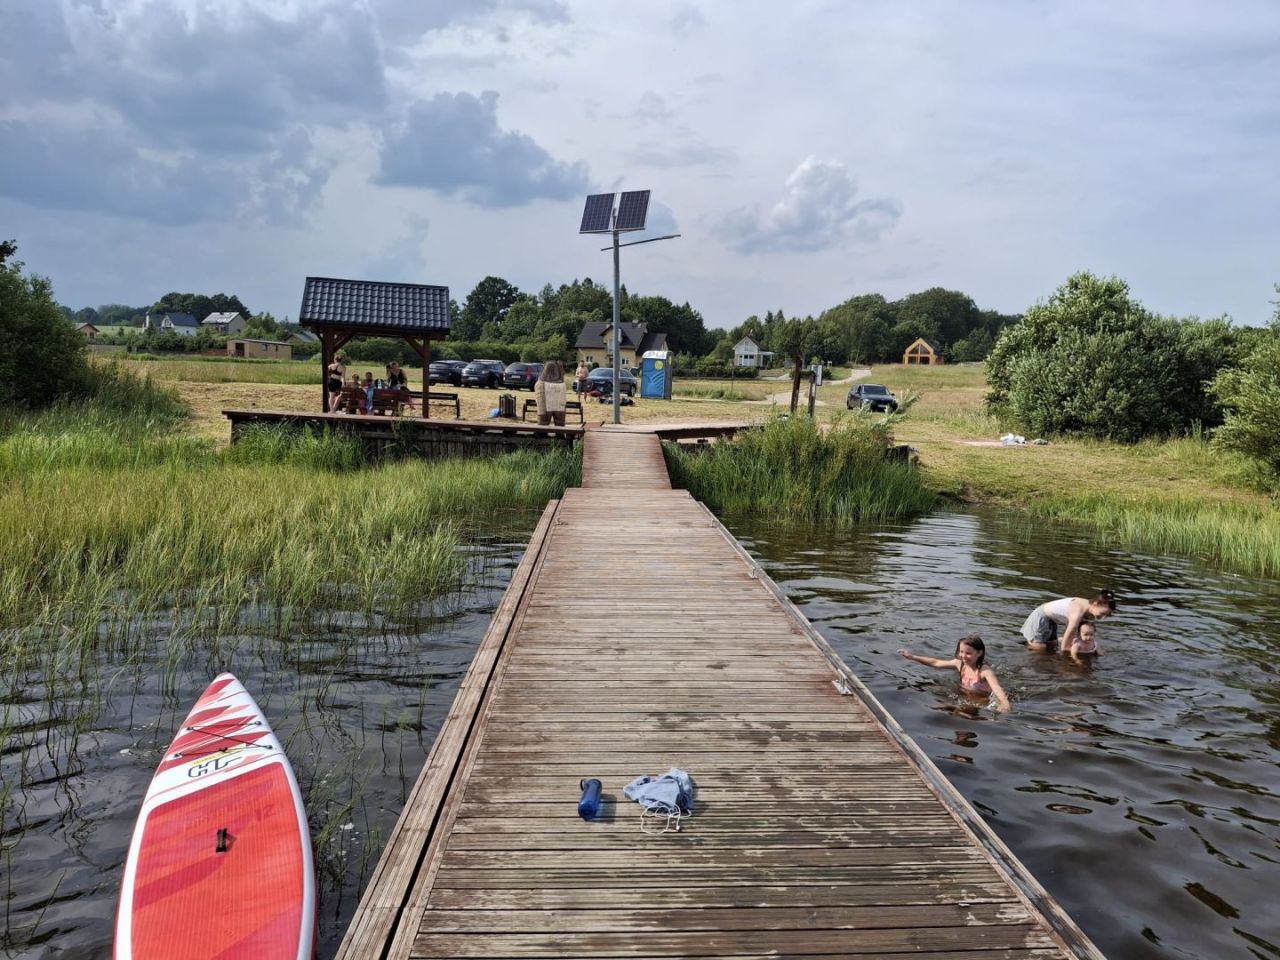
992	147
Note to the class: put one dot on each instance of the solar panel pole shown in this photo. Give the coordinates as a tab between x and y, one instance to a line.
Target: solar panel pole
617	333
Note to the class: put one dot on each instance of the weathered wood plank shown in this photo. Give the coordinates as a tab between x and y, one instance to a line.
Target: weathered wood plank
815	832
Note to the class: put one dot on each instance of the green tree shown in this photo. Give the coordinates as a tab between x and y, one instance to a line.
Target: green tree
686	332
1250	396
42	355
1095	362
199	305
486	306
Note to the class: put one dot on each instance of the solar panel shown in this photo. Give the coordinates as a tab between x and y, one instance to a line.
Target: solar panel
597	214
631	210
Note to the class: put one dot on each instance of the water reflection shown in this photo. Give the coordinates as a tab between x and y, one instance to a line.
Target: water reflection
1140	787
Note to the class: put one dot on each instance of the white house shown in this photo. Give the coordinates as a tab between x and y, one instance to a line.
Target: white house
183	324
228	324
747	353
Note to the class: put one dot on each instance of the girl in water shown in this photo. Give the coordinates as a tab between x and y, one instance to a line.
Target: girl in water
1041	628
969	661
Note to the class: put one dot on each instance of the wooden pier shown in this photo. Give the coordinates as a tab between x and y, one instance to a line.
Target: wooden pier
820	828
432	438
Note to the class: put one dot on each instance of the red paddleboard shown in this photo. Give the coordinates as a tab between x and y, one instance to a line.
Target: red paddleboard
220	863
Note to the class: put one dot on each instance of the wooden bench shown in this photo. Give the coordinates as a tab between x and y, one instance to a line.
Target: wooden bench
570	406
390	401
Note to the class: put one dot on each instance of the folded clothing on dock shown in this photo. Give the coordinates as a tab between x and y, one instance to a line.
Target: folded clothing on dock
672	792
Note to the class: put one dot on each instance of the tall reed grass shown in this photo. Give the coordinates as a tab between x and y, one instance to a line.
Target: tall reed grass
110	518
796	470
1243	537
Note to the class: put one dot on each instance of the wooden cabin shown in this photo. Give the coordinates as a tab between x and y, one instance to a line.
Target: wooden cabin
260	349
923	350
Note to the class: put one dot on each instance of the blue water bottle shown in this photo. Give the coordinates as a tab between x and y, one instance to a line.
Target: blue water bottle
589	805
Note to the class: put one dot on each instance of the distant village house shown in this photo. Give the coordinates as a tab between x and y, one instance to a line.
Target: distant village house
183	324
747	353
259	349
88	329
923	350
227	324
595	344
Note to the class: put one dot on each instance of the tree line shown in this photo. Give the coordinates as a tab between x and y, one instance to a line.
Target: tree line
1088	361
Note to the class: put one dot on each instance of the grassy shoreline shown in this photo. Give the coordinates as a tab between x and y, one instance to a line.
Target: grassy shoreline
1176	495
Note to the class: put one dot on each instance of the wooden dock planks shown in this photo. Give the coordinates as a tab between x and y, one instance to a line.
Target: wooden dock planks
820	830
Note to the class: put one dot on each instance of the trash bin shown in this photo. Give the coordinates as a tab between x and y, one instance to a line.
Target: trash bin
655	375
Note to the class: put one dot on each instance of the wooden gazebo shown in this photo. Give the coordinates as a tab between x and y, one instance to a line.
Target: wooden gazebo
340	310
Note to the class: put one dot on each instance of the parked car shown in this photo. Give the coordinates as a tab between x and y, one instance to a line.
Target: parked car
521	375
872	395
446	371
483	373
602	379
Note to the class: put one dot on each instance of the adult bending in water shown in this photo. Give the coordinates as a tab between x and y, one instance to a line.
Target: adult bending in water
1041	628
970	661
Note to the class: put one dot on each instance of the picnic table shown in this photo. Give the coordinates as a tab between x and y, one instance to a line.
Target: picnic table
391	401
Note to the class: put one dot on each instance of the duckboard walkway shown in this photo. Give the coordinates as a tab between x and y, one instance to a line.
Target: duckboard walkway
820	828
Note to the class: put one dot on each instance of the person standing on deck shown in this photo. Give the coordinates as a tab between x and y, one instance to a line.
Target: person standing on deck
336	373
1041	627
549	393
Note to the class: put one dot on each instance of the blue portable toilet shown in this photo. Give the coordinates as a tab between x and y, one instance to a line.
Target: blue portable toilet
655	375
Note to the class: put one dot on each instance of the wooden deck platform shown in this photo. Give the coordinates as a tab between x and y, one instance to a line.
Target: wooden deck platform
820	829
439	438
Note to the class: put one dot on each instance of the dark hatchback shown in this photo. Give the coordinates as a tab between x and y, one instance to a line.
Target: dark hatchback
602	379
446	371
521	375
483	373
872	396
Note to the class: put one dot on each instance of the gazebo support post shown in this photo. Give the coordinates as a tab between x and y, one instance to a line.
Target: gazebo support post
422	347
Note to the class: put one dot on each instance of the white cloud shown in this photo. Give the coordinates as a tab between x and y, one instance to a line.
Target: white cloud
453	144
818	209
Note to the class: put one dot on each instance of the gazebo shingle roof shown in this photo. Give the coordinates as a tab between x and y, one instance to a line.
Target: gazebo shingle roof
408	307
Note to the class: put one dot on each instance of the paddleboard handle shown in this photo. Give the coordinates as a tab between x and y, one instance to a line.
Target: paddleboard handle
224	839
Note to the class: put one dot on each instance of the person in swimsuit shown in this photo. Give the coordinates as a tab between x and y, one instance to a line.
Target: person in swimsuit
970	662
1086	642
1041	627
336	373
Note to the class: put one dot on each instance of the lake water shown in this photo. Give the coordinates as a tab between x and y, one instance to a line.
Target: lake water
1142	790
356	705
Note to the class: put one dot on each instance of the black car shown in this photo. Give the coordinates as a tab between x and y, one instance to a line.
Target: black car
870	395
483	373
521	375
602	379
446	371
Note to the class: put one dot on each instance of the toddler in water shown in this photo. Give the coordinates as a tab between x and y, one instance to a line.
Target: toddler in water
975	677
1085	643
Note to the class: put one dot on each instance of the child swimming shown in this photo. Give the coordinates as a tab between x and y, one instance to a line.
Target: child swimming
1085	643
975	677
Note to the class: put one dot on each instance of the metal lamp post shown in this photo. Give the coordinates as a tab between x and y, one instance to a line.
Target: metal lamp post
599	216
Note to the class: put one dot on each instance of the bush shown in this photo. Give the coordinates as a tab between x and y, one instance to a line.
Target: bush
42	356
1092	361
713	369
1251	398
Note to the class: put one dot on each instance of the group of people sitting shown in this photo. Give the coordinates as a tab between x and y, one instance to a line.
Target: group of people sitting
359	393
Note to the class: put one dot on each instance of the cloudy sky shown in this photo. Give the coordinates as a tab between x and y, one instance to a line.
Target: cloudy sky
841	148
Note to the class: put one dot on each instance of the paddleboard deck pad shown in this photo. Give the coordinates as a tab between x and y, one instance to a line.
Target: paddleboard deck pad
220	862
